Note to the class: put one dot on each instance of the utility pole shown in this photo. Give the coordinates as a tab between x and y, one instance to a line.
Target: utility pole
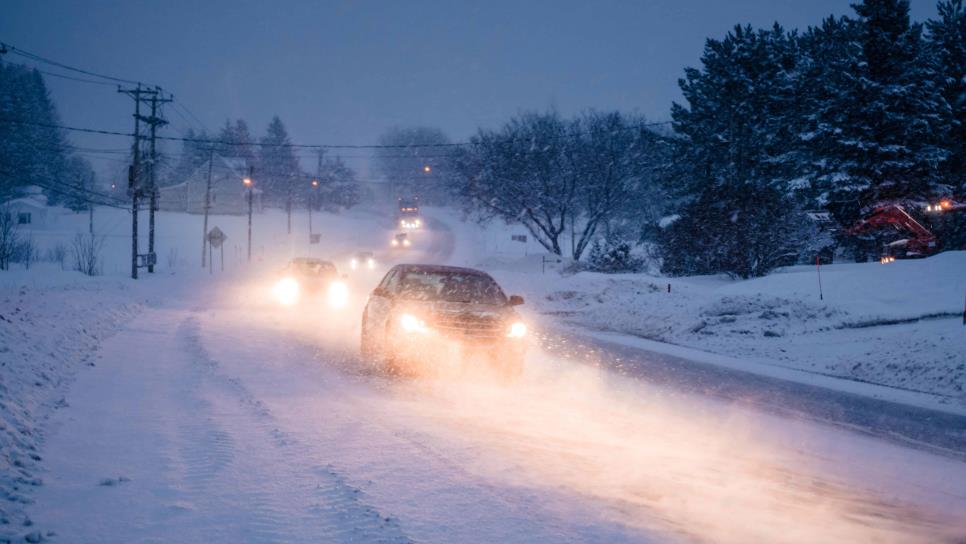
204	234
250	183
152	96
90	210
133	186
155	122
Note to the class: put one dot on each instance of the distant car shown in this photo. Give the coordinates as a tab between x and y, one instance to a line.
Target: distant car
305	276
364	260
401	241
421	311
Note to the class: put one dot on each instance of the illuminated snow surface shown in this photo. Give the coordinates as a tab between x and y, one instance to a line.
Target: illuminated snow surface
191	407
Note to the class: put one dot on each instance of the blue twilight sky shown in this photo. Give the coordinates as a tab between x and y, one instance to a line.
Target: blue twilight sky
344	71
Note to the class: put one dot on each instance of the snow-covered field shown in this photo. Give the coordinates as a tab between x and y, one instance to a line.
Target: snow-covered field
210	415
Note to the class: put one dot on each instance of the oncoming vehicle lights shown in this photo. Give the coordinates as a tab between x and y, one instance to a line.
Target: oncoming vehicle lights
286	291
517	330
412	324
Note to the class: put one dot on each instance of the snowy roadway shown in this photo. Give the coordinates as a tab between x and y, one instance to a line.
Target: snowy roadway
215	416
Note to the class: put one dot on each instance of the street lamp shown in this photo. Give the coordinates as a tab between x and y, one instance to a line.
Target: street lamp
247	182
427	169
315	185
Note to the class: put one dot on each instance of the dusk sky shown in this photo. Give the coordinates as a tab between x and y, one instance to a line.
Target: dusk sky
342	72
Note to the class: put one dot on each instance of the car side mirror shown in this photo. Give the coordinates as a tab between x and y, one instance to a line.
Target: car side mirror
515	300
381	292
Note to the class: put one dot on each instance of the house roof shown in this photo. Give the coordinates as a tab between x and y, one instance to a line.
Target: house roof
28	201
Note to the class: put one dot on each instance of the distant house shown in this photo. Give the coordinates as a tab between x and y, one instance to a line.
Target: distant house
228	194
30	210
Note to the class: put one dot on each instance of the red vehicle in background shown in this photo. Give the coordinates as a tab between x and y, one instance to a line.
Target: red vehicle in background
916	240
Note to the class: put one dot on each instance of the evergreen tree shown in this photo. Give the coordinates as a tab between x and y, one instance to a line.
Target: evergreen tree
947	38
278	172
236	142
740	229
737	126
339	187
34	152
890	143
78	181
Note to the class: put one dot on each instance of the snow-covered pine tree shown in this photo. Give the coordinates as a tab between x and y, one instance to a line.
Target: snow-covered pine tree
34	152
947	40
236	142
339	188
278	172
892	123
739	137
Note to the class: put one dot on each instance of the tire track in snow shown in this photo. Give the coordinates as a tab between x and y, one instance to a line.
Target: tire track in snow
336	510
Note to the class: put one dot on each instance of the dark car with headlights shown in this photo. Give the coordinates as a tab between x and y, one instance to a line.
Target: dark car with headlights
426	316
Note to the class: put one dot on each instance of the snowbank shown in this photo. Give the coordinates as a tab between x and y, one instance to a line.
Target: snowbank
51	324
898	325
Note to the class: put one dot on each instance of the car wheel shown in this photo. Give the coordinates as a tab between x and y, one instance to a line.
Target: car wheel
365	343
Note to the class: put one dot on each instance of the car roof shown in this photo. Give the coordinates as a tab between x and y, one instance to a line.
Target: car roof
439	268
309	260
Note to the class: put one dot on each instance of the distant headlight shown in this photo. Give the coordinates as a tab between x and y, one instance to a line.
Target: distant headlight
354	264
406	242
395	242
338	294
417	222
411	323
371	263
517	330
286	291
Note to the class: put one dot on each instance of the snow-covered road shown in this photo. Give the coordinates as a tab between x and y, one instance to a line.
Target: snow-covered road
217	416
214	417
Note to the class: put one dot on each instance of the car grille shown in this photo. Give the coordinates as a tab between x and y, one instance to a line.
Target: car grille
470	327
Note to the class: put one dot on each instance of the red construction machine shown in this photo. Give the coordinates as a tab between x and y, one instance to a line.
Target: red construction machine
915	240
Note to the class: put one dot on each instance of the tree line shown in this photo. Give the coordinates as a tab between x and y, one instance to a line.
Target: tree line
847	114
277	170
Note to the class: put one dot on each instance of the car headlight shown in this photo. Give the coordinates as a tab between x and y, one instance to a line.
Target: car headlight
517	330
286	291
406	242
338	294
395	242
371	263
354	264
417	222
411	323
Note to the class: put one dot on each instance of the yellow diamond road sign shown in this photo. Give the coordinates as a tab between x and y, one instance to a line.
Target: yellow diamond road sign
216	237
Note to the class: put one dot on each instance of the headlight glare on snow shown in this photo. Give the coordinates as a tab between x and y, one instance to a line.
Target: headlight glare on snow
517	330
338	294
286	291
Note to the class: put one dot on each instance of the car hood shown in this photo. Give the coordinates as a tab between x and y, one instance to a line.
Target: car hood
438	307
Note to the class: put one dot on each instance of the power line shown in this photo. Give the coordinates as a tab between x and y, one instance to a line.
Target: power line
38	58
288	145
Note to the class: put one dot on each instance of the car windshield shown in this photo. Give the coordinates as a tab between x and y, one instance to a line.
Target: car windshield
468	287
313	268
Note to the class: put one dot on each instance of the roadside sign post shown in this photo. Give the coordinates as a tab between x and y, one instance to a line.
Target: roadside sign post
522	238
216	239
